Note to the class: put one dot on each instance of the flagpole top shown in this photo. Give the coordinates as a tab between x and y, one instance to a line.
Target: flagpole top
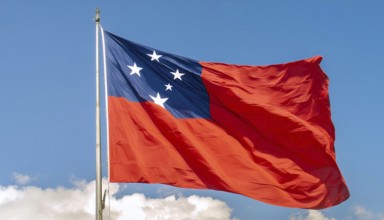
97	17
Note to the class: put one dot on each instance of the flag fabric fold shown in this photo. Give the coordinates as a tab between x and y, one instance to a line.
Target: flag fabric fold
261	131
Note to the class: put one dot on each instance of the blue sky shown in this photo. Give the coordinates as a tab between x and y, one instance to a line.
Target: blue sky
47	53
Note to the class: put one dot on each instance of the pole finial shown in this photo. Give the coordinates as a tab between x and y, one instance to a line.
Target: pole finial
97	17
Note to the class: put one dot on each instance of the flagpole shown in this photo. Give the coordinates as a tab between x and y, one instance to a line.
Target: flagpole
99	209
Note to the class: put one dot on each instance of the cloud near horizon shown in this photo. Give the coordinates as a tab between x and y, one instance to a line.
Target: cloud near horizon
364	214
310	215
19	202
31	202
21	179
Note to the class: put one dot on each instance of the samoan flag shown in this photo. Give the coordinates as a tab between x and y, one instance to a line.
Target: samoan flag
261	131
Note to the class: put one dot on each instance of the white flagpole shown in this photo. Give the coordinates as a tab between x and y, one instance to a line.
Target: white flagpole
99	209
107	118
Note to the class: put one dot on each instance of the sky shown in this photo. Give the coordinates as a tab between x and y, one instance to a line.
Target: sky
47	88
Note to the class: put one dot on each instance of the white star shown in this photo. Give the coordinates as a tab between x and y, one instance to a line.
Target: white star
158	100
168	87
135	69
177	75
154	56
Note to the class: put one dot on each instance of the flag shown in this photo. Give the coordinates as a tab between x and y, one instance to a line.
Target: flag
264	132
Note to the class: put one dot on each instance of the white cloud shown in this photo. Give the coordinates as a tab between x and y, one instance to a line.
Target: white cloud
358	212
137	206
364	214
317	215
31	202
18	202
310	215
165	190
21	179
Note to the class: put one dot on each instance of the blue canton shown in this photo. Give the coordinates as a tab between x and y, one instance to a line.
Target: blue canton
139	73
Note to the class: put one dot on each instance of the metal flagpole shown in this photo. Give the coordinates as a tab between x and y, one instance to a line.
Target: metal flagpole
107	119
99	208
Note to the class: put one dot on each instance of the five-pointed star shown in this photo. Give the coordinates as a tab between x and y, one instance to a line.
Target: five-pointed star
154	56
158	100
135	69
177	74
168	87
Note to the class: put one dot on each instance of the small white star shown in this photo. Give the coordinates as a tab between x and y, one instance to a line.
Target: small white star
154	56
177	75
168	87
135	69
158	100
